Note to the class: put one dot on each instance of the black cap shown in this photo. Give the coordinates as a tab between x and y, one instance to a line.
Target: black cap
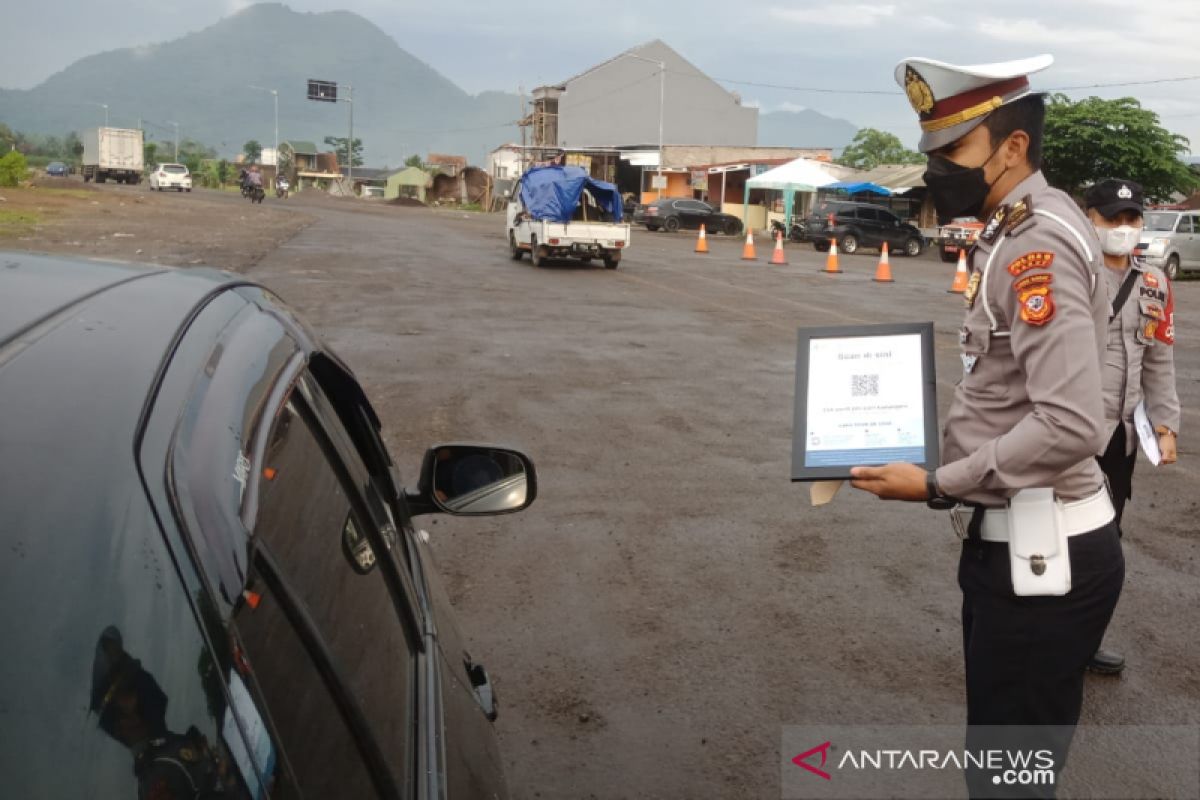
1110	197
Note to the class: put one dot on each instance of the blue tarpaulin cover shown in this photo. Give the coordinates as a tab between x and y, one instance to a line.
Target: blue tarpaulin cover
855	187
553	193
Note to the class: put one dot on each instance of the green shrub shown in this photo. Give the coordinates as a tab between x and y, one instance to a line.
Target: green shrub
13	168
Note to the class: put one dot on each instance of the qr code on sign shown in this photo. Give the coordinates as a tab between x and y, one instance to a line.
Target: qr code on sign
864	385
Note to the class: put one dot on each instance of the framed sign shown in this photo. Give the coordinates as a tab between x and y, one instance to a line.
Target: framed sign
865	395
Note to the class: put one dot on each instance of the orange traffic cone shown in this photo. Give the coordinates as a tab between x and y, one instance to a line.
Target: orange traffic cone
831	261
777	257
748	248
702	242
960	274
883	273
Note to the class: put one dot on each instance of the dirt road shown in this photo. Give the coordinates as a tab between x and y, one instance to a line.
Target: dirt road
671	600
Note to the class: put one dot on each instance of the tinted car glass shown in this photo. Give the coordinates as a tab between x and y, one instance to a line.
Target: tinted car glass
319	746
867	214
175	169
310	524
1185	224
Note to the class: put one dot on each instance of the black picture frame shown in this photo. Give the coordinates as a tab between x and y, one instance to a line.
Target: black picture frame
801	470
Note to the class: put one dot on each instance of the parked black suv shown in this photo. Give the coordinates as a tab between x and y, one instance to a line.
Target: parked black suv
858	225
211	582
673	213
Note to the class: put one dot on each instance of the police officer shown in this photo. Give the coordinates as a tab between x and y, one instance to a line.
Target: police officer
1139	363
1028	412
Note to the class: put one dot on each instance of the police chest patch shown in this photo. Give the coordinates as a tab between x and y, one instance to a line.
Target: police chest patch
1037	305
1039	259
1153	294
1150	280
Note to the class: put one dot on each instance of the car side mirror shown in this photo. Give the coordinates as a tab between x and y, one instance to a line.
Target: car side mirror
473	480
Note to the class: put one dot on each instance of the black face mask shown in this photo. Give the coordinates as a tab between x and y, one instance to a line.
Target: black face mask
958	191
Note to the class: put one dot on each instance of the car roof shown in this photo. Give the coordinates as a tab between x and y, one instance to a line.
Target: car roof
81	345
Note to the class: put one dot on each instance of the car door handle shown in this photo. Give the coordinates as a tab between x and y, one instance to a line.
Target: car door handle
484	693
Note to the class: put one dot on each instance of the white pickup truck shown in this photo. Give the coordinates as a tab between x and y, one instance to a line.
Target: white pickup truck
563	213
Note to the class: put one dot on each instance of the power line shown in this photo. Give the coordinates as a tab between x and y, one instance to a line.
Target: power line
826	90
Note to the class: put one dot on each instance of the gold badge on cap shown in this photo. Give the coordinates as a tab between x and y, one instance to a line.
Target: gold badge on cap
918	91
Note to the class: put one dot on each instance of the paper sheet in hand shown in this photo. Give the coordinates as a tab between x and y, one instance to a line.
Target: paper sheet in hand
1146	434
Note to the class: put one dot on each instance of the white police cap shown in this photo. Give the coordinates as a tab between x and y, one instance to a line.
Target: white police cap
952	100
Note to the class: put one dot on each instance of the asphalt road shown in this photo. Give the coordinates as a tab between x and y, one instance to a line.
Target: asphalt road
671	599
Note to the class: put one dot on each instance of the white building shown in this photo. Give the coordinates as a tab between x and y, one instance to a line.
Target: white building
505	162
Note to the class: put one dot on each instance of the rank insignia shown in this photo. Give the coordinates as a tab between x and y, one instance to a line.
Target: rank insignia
972	289
964	335
1150	280
1020	211
918	91
1037	305
187	754
995	224
1035	260
969	363
1030	281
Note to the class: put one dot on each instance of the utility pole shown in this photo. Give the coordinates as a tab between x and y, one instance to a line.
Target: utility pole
662	95
176	124
350	141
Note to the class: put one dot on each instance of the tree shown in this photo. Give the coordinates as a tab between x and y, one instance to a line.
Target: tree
1093	139
871	147
149	154
13	168
413	161
338	145
72	146
253	151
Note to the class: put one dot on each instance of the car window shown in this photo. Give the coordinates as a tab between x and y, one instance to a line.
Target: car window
316	739
886	217
1185	224
868	214
176	169
312	518
847	213
1160	221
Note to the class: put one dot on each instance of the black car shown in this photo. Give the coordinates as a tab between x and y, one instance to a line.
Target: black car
57	169
859	225
673	213
211	582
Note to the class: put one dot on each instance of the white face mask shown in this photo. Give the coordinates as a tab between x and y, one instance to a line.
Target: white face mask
1119	241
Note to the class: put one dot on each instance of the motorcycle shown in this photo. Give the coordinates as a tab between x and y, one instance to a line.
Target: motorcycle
797	232
255	192
281	189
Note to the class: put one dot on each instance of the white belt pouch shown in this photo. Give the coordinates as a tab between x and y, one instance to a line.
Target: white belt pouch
1038	554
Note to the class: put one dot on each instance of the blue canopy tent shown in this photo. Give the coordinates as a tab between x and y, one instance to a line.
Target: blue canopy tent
859	187
553	193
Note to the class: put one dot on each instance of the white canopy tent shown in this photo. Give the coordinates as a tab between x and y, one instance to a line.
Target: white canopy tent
801	175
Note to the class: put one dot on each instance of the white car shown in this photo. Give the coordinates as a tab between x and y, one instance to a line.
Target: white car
171	176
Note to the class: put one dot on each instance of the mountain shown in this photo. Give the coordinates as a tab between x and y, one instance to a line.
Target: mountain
401	105
806	128
202	81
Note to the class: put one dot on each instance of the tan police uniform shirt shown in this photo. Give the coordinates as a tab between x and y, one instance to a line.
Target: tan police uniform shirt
1139	361
1029	410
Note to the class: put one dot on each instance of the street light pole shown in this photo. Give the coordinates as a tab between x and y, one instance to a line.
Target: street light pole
350	141
662	94
275	96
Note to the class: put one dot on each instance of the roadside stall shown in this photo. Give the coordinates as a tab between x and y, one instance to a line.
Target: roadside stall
802	175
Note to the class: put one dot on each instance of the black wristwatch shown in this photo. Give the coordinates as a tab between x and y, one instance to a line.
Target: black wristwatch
937	499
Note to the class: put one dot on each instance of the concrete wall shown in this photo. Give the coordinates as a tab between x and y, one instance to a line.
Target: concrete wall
694	155
618	103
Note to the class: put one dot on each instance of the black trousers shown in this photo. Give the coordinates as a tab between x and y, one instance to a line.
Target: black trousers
1118	469
1025	656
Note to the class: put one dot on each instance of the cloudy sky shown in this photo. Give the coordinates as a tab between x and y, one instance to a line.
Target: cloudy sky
847	49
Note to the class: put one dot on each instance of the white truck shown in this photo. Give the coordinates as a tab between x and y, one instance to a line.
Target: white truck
561	212
115	153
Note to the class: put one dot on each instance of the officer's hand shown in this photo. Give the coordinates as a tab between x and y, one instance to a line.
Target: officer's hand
891	482
1166	444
